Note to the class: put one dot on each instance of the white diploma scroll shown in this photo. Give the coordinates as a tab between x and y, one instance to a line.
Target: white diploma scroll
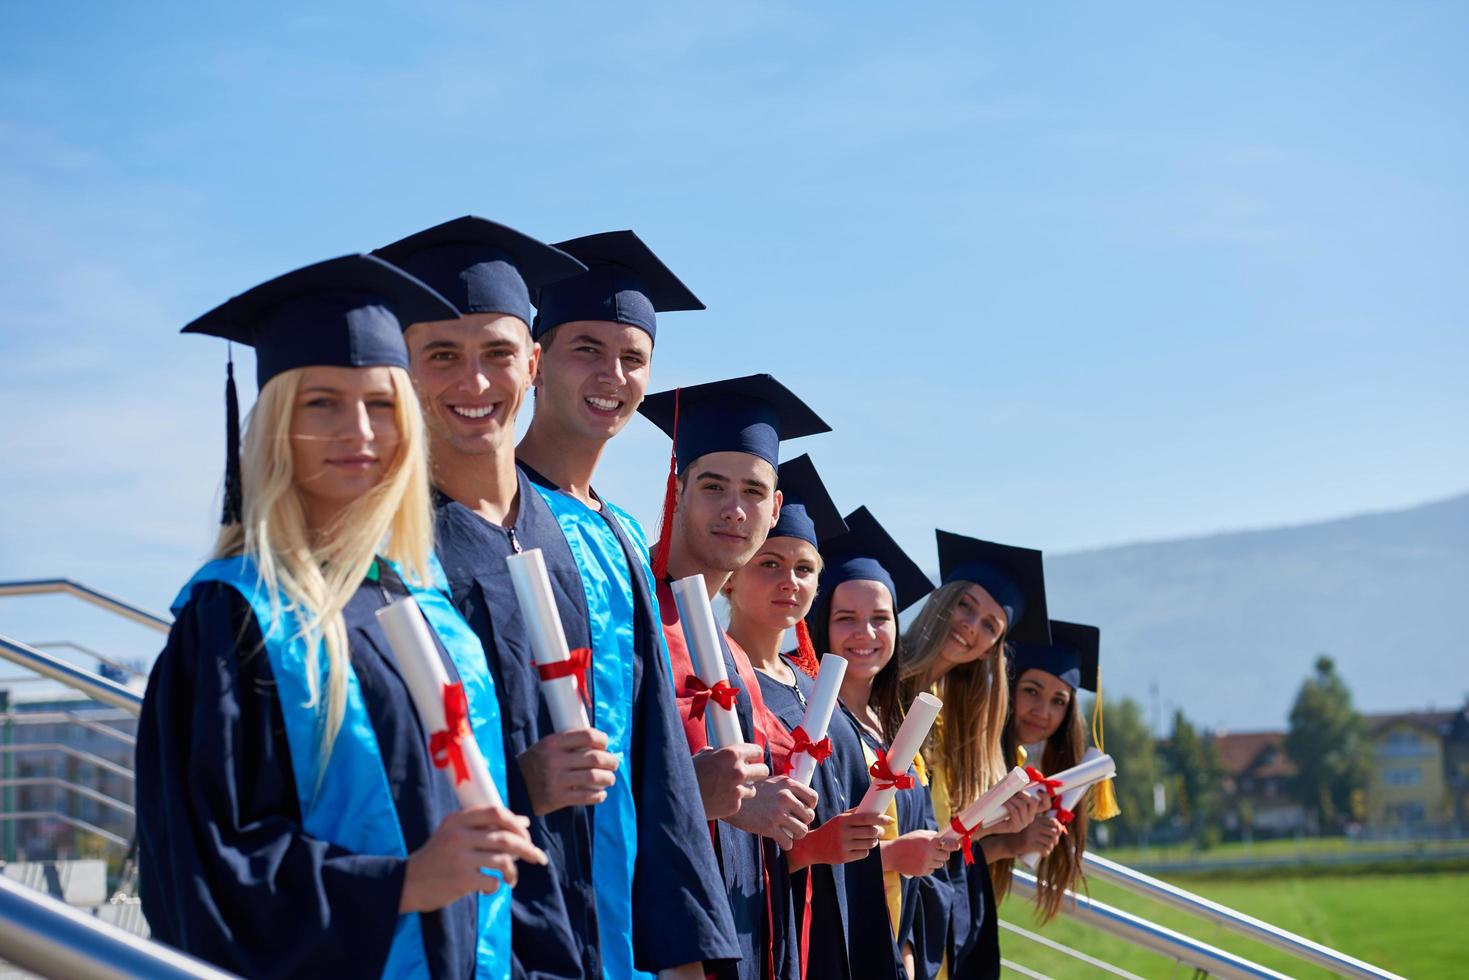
818	713
701	634
989	804
1094	767
418	659
920	718
547	638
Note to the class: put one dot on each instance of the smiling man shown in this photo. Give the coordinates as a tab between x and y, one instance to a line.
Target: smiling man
720	506
574	918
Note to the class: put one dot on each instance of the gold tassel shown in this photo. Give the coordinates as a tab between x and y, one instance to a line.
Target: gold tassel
1104	799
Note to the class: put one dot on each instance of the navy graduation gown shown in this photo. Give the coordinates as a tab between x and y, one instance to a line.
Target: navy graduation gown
975	944
755	874
844	941
553	908
678	914
226	871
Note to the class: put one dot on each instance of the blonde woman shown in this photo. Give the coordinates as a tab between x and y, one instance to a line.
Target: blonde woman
991	593
291	818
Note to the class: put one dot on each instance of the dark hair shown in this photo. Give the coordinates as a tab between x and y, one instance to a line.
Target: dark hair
884	698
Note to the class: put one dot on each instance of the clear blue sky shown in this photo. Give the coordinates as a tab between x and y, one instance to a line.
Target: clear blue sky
1058	274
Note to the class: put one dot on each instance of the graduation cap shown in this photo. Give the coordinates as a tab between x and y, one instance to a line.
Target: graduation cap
1072	655
344	312
624	283
753	414
806	509
1014	578
481	266
867	552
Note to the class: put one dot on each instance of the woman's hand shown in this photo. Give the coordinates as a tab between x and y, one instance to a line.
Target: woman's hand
845	837
1020	811
1041	837
915	854
447	867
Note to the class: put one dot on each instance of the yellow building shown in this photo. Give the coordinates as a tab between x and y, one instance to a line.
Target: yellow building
1407	787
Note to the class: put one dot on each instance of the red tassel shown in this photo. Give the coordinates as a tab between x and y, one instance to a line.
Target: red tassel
670	496
805	658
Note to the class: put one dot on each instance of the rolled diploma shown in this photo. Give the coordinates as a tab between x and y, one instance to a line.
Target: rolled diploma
1074	788
547	638
989	803
818	713
702	635
906	743
418	659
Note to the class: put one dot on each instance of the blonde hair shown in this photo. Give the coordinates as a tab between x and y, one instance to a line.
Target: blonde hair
316	579
966	742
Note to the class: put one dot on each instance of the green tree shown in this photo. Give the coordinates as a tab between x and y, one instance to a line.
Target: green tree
1327	741
1195	775
1131	745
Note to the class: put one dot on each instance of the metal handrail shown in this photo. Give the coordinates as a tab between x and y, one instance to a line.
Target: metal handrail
99	657
40	934
77	788
86	721
86	593
1065	950
92	685
1024	971
1149	935
1238	922
78	754
67	819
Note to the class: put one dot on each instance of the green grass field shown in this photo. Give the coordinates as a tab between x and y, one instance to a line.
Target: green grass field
1413	925
1304	849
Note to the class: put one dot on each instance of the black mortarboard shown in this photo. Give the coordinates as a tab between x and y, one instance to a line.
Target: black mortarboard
624	283
753	414
1014	578
869	553
344	312
1072	655
806	509
481	266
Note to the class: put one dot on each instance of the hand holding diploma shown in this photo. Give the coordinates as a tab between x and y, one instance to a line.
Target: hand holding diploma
562	671
483	835
1095	766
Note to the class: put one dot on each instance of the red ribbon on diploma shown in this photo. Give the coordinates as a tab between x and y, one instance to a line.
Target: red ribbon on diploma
721	694
573	666
819	751
883	776
966	841
1051	786
443	746
1065	816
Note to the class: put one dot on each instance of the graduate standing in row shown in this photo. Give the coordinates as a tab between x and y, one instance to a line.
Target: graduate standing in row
867	581
991	594
473	372
768	595
719	507
596	332
291	820
1045	731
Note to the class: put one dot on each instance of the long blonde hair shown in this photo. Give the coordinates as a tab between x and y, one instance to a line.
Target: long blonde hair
316	579
976	697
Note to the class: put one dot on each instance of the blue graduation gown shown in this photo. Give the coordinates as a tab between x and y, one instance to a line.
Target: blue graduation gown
673	908
843	941
226	871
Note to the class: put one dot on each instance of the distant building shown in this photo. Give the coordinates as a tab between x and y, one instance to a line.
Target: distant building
1420	761
1258	796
